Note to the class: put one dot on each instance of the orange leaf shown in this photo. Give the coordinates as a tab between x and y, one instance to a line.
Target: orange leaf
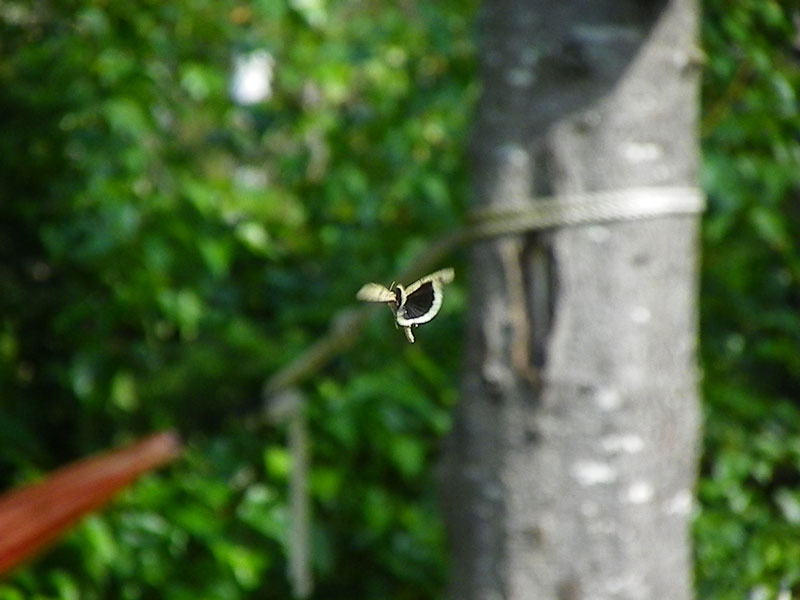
36	515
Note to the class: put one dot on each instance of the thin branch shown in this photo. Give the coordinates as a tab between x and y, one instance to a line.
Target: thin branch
348	324
534	215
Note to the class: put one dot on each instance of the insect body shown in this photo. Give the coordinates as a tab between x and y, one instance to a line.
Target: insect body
413	305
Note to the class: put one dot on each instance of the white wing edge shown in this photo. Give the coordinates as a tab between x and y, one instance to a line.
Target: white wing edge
438	296
442	276
374	292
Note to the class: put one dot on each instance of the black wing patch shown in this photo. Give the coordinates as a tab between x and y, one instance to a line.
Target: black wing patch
420	301
412	306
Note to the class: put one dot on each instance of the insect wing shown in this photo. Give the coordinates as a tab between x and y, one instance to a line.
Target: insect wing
375	292
424	298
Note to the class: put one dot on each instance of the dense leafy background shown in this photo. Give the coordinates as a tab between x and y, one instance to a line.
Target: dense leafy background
749	519
163	250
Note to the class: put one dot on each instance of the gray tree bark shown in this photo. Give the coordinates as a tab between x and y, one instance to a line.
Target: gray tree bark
571	466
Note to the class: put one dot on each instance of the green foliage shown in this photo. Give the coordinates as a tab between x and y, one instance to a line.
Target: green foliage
164	249
748	523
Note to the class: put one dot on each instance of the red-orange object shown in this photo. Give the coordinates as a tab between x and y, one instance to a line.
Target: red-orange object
35	515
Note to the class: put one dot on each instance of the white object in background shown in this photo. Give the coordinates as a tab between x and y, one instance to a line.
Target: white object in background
252	77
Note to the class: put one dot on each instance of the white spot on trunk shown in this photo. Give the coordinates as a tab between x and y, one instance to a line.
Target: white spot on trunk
589	472
639	492
640	315
679	504
608	399
627	442
629	586
639	152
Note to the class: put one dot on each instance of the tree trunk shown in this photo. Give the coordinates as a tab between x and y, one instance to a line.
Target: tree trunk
571	465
